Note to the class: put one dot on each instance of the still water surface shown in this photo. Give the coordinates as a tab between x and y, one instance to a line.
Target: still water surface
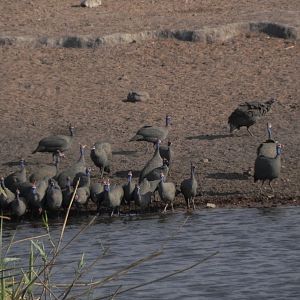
258	253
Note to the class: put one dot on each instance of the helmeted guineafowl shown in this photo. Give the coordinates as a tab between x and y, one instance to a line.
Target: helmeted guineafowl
128	189
53	143
112	196
152	133
166	153
246	114
188	188
6	195
268	168
78	167
13	180
101	156
155	162
18	206
166	191
50	170
53	197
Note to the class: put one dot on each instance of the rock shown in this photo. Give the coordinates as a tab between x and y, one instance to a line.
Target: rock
90	3
205	160
211	205
137	96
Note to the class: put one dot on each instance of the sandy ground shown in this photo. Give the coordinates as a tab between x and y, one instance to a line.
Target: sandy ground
42	90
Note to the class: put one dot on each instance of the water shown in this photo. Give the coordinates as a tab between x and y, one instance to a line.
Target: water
258	253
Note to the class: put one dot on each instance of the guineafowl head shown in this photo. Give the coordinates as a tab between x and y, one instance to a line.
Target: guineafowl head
168	120
279	149
269	129
107	186
72	130
129	176
88	171
22	163
162	177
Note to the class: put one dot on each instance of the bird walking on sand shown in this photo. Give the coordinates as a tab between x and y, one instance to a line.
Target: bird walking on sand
247	114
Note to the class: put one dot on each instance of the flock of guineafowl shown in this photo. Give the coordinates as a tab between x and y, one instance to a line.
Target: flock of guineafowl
49	188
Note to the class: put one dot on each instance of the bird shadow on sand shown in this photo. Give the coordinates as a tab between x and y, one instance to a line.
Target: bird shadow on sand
220	194
124	174
228	176
208	137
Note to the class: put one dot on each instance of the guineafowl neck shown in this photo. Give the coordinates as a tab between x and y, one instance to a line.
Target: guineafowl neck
270	133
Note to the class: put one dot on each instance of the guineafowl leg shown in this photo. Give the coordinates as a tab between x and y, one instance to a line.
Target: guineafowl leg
271	187
249	131
102	172
187	203
260	190
193	201
112	213
165	209
172	206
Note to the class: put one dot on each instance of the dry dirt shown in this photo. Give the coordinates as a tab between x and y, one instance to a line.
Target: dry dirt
43	89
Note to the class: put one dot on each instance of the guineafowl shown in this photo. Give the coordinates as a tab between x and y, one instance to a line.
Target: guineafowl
166	191
152	133
128	189
36	195
267	168
83	191
267	148
12	180
166	153
53	198
188	188
53	143
246	114
45	171
18	205
101	155
155	162
142	196
6	196
78	167
112	196
96	188
155	173
67	193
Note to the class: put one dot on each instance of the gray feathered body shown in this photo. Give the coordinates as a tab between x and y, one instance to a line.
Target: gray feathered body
151	134
266	168
53	195
13	180
188	188
55	143
18	206
167	191
246	114
101	156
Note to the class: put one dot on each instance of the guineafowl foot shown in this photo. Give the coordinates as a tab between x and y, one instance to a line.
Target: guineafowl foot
165	209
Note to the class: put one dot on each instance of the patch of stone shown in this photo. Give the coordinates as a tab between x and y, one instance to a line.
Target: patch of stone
90	3
205	35
137	96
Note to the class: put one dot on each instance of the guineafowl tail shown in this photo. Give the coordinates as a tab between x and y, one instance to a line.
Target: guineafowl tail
135	138
36	150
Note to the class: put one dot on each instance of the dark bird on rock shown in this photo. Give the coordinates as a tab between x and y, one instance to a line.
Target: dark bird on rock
152	133
188	188
267	148
53	143
268	168
246	114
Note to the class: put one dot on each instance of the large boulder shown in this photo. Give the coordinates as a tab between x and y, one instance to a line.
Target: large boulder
90	3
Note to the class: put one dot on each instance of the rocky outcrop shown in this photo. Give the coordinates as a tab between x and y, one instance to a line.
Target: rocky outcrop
205	35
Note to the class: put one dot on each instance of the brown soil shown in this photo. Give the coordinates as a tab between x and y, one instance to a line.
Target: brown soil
199	85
